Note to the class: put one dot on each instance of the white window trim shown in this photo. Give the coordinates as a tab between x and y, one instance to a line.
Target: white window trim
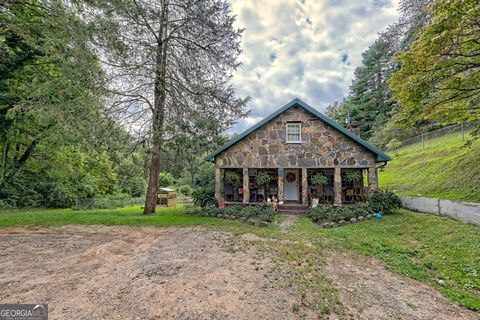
299	134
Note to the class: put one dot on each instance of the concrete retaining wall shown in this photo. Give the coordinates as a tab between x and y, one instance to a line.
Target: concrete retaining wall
463	211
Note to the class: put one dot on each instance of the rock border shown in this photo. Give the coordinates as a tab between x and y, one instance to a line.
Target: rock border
334	224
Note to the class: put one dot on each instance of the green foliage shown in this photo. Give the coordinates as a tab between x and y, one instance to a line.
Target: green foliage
186	190
352	176
166	179
368	104
262	178
204	196
319	179
335	214
423	247
438	79
261	212
384	201
446	168
233	178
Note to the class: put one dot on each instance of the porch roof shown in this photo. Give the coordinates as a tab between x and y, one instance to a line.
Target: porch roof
380	156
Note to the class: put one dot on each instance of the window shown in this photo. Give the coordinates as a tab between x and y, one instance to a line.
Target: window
294	133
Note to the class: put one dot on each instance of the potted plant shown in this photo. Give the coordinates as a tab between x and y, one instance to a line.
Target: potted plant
319	180
353	176
234	178
262	179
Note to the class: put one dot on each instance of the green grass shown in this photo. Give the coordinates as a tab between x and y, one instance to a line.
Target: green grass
447	168
421	246
165	217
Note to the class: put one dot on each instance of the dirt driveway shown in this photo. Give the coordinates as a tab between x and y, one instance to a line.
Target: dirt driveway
99	272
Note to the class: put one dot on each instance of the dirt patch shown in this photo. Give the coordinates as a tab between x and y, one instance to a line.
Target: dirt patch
368	291
100	272
138	273
288	221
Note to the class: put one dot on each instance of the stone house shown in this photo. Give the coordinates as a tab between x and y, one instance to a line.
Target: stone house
292	146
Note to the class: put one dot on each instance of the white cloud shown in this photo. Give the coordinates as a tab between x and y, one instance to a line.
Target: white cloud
304	48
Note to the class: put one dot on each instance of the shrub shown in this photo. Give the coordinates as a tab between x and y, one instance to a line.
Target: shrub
335	214
186	190
384	201
165	179
204	196
261	212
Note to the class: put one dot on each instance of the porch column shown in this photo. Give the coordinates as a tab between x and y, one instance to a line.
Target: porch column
280	184
246	186
218	183
372	180
337	187
304	186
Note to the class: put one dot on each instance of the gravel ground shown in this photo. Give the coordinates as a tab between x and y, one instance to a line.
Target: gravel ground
100	272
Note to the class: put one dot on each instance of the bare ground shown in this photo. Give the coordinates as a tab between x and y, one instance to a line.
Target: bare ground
99	272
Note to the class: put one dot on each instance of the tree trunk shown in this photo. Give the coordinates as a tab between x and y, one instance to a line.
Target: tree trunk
158	114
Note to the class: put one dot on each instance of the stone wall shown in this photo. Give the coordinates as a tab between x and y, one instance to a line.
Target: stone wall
458	210
322	146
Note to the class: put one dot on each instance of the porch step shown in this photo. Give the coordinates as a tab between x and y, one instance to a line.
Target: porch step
292	208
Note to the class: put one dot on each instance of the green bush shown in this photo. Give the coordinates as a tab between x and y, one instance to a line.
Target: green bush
261	212
233	178
204	196
186	190
165	179
384	201
262	178
335	214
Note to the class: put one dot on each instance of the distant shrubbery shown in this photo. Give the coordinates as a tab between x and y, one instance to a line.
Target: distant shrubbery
381	201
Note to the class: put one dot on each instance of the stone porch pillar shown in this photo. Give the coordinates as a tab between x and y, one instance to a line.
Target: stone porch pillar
280	184
337	187
218	183
304	186
246	186
372	180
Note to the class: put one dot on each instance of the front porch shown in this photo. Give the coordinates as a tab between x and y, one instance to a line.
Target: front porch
295	186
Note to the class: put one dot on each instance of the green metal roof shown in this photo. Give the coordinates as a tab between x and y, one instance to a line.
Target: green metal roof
299	103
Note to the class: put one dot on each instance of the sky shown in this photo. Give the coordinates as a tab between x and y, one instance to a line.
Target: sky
303	48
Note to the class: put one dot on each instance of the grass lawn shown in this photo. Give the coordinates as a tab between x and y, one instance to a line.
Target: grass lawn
440	252
447	168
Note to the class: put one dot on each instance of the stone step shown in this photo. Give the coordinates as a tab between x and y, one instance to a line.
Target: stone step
292	211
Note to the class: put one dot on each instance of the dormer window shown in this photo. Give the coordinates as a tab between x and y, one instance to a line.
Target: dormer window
294	132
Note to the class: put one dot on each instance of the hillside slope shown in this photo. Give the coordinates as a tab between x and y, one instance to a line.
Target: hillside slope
446	168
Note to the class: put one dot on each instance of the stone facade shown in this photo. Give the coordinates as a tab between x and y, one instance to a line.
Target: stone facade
322	146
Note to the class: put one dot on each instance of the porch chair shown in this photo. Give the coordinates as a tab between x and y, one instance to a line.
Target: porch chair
229	193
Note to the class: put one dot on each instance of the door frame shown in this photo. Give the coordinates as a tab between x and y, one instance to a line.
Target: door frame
297	184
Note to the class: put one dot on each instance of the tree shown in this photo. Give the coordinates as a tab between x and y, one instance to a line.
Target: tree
169	63
368	104
47	81
439	74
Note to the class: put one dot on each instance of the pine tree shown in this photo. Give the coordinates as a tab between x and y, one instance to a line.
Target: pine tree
169	64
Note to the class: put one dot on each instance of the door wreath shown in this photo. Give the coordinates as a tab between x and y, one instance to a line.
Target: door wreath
291	177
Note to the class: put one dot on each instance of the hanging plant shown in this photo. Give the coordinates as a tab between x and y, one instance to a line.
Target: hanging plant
233	178
352	176
319	179
262	178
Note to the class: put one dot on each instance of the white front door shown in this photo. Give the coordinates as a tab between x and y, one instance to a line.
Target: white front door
290	188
